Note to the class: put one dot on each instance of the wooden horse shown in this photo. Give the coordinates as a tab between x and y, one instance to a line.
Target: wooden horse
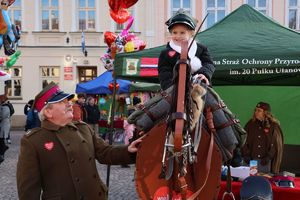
188	180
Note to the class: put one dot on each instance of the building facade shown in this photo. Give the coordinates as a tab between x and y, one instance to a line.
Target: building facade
52	31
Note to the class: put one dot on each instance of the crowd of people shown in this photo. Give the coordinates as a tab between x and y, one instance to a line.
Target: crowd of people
58	152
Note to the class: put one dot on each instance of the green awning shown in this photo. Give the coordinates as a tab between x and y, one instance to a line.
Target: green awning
247	47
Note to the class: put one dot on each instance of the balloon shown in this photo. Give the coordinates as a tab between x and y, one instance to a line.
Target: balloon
124	33
139	44
4	76
132	40
111	86
10	2
109	38
107	61
116	5
121	16
129	46
102	100
13	59
127	3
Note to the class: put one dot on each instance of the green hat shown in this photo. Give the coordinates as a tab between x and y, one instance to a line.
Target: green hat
182	17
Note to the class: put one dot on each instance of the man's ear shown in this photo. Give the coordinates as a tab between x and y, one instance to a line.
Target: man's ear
48	113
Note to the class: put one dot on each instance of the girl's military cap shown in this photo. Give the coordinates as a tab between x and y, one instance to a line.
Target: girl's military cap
182	17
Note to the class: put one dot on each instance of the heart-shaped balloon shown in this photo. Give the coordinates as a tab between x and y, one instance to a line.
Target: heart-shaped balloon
109	38
127	3
116	5
121	16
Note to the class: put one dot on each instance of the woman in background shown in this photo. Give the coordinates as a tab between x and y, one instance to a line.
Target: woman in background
264	140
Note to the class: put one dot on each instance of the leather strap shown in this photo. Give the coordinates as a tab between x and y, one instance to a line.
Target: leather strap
183	187
150	114
209	119
179	123
178	115
182	61
228	123
218	106
228	191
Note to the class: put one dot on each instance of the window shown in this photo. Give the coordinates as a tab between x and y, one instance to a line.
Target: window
260	5
87	73
216	10
50	13
177	4
87	14
14	12
49	74
120	27
14	86
293	14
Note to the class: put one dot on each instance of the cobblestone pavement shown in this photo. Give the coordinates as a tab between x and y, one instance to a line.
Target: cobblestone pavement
122	186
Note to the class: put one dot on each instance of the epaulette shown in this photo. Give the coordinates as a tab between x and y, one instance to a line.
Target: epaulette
79	123
32	131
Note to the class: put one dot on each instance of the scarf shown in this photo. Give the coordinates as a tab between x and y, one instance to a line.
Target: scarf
194	61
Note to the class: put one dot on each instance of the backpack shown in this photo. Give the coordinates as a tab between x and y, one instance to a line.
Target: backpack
10	106
32	120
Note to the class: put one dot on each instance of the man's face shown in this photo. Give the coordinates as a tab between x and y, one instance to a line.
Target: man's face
179	33
60	113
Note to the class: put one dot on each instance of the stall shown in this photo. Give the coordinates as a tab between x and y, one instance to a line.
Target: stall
256	59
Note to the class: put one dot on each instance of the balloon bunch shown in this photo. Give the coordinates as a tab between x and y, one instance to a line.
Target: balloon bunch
118	9
124	42
10	60
4	76
9	33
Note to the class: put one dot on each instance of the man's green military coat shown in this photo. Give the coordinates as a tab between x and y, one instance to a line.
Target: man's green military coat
60	163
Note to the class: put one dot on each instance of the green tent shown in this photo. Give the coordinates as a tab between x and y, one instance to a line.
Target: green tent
249	50
144	87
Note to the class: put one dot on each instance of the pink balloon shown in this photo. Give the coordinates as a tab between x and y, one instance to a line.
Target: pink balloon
124	33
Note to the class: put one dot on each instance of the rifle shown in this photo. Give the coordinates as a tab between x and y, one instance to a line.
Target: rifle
197	31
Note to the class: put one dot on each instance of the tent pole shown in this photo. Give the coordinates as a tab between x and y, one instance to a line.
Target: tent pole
111	129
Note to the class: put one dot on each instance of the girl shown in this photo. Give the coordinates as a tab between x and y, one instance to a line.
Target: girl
182	27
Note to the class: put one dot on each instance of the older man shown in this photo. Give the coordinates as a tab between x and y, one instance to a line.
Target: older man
58	159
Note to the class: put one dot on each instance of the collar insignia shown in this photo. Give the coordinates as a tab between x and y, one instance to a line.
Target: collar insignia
171	53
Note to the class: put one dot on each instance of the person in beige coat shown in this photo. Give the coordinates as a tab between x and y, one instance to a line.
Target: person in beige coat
57	160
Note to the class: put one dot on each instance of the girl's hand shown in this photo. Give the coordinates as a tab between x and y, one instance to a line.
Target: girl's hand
202	78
